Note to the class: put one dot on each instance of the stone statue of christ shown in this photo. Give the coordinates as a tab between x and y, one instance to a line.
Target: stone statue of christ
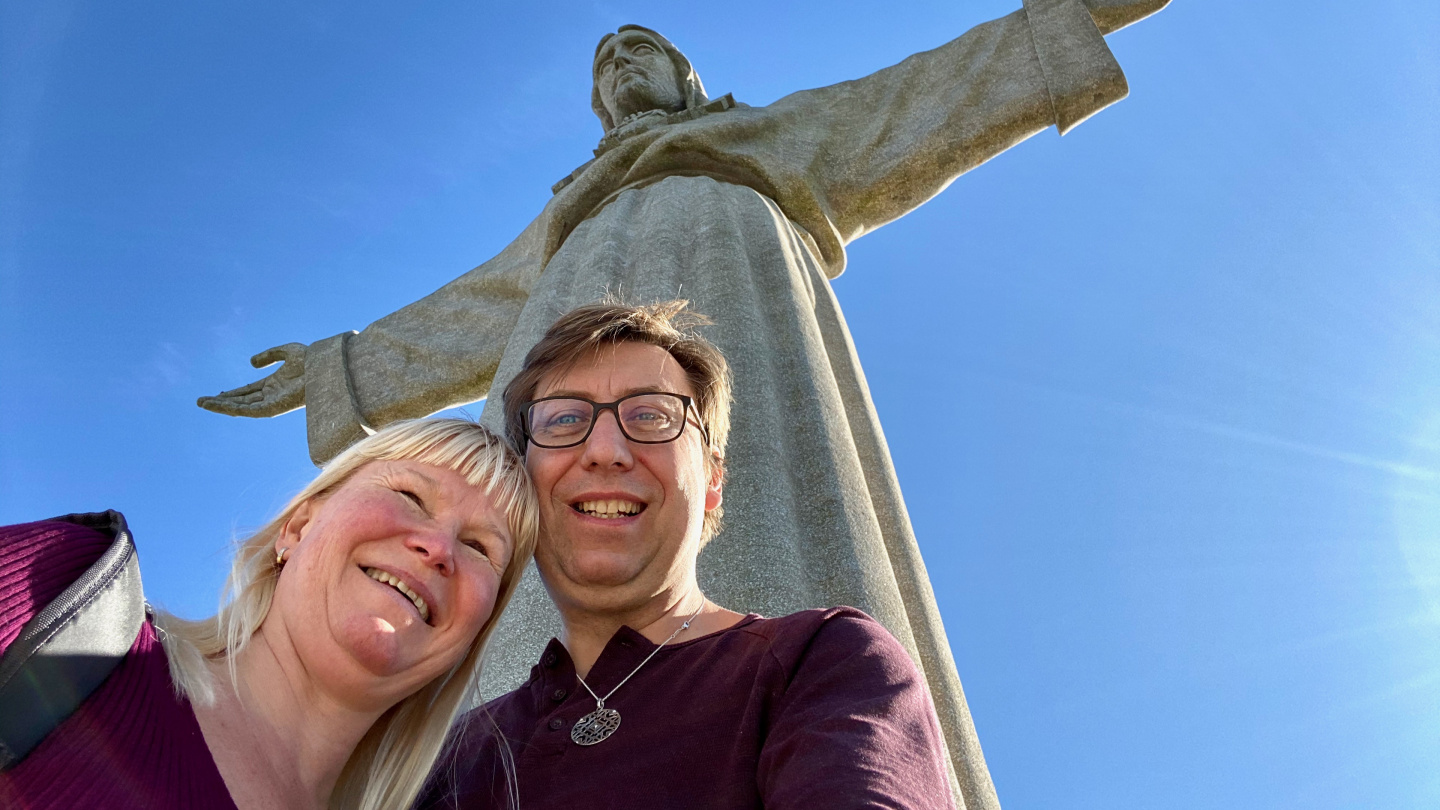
746	212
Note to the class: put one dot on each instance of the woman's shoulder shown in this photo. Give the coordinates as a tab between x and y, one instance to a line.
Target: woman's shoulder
39	560
106	706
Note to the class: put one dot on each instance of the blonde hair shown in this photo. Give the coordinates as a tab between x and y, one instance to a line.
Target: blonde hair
389	766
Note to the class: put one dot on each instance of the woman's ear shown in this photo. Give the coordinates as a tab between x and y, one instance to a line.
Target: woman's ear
295	527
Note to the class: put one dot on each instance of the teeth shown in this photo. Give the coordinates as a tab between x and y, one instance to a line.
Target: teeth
394	581
609	509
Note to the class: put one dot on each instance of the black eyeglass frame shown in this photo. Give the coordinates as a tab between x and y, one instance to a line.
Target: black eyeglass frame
614	407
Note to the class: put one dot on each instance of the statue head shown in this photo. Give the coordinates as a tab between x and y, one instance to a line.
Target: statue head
637	70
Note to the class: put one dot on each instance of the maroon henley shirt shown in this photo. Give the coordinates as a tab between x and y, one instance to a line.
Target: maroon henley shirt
819	709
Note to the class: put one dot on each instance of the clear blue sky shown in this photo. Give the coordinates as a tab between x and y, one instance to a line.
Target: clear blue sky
1181	503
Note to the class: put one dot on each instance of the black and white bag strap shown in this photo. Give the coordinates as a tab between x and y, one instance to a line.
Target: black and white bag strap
71	646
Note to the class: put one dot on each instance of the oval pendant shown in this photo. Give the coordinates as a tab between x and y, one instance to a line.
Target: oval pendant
595	726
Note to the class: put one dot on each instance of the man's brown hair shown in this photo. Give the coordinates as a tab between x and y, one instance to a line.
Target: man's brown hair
667	324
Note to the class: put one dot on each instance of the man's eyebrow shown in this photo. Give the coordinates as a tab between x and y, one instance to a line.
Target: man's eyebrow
577	394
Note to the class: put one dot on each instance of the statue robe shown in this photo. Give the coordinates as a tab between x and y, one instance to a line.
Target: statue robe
746	213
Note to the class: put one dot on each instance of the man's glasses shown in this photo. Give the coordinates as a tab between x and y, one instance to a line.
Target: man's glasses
556	422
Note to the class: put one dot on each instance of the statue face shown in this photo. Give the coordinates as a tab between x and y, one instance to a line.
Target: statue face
634	74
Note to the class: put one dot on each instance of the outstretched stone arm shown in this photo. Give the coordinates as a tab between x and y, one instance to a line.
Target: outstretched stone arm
871	150
1112	15
280	392
438	352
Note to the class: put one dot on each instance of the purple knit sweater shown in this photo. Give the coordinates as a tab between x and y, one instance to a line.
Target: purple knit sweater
132	743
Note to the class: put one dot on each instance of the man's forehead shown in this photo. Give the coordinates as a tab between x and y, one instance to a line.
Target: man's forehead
618	369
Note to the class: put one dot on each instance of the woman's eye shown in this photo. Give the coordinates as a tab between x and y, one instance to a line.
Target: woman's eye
413	497
478	546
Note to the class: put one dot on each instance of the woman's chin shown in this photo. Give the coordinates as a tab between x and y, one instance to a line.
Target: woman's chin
377	645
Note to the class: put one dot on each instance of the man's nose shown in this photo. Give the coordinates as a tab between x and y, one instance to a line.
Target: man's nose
607	445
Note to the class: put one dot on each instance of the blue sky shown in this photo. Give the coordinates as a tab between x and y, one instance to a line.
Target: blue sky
1164	394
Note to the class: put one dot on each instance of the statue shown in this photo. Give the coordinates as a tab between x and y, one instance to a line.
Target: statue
746	212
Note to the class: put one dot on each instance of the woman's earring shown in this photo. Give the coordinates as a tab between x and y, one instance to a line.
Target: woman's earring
280	557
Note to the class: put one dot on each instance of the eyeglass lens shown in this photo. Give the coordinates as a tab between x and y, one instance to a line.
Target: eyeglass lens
643	418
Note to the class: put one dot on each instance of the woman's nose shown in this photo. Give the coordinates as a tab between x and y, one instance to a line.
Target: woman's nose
435	547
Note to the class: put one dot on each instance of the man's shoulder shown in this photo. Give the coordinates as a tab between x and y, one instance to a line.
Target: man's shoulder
807	623
821	631
840	662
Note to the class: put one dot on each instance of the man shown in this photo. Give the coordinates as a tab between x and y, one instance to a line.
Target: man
655	696
745	211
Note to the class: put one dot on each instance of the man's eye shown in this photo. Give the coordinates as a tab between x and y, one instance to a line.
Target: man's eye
563	419
643	48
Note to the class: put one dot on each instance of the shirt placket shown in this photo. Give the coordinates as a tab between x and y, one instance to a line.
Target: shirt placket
560	701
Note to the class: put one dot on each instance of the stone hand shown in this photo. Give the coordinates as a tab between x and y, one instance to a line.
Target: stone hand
1112	15
283	390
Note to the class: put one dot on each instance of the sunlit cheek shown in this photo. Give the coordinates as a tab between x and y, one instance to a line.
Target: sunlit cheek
479	601
487	607
692	487
473	621
474	598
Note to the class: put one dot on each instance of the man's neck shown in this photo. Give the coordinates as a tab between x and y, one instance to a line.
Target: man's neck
586	632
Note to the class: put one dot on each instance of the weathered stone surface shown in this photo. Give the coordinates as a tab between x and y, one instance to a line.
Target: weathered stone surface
746	212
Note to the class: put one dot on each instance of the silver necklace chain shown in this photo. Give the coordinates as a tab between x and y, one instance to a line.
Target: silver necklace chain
601	723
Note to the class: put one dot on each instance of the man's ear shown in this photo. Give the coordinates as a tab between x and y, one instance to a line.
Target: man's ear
715	486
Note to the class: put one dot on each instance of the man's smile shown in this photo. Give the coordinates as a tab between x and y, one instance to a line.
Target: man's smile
609	508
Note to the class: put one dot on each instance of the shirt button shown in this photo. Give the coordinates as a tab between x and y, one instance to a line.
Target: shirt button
558	695
556	723
551	660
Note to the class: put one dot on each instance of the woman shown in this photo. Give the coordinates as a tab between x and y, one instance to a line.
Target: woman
352	635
